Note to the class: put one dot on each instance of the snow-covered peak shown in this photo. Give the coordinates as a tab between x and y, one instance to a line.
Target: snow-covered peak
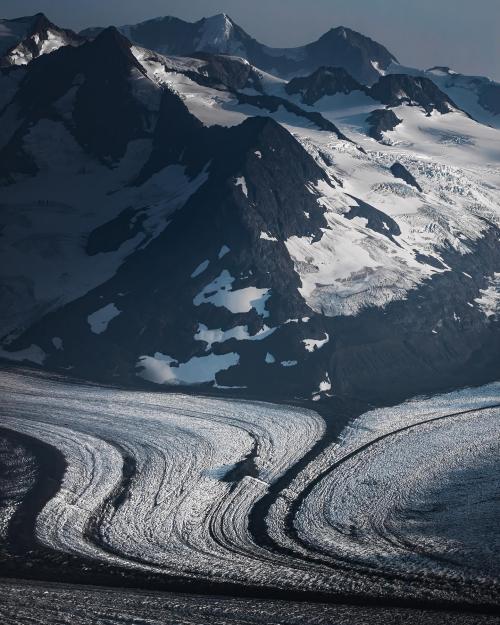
217	33
25	38
12	31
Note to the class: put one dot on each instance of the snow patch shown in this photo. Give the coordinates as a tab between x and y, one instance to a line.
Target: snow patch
200	269
326	385
489	302
241	182
162	369
267	237
57	342
240	333
33	353
312	345
220	294
223	251
100	319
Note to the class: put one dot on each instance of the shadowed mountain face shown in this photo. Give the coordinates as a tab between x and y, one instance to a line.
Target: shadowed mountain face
105	117
26	38
323	82
197	221
397	89
255	178
393	90
363	58
477	95
381	121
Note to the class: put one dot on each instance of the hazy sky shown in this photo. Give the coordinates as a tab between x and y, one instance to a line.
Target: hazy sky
464	34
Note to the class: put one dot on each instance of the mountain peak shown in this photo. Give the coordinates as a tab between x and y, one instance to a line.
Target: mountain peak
113	35
111	41
24	38
365	59
324	81
362	57
40	20
397	89
343	32
221	17
217	34
340	30
111	51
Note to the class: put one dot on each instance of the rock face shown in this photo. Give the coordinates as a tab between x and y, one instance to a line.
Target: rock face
380	121
27	38
362	57
106	116
392	90
400	171
489	97
393	352
233	72
323	82
397	89
479	96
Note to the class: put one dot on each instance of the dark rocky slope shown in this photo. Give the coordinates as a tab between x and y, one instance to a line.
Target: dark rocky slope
106	116
397	89
400	171
324	81
154	289
380	121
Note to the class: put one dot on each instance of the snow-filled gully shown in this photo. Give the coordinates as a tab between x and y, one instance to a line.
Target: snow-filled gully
150	485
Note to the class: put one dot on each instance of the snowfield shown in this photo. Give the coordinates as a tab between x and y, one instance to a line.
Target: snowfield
354	266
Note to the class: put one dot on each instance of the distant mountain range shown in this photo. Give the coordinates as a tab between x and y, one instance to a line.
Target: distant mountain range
363	58
182	205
